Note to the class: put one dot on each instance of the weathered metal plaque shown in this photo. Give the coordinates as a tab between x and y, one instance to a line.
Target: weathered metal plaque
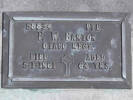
66	50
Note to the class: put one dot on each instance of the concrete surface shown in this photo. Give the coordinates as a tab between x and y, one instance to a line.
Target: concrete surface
67	5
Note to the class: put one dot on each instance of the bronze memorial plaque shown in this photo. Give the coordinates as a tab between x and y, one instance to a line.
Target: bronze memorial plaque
66	50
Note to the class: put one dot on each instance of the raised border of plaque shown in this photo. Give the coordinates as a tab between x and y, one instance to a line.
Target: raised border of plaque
8	81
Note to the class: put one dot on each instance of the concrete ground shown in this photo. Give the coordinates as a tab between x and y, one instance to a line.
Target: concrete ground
67	5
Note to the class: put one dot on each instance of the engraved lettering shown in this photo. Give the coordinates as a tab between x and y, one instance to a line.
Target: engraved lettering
94	57
82	46
40	36
55	36
38	56
80	37
54	46
93	27
38	26
95	62
38	65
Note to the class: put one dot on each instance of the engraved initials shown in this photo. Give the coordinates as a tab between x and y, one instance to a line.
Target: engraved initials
93	27
55	36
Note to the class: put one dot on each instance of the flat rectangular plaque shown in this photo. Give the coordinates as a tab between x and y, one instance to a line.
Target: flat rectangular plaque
66	50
